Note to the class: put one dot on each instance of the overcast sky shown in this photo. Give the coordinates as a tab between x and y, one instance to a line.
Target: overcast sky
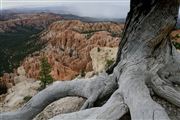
90	8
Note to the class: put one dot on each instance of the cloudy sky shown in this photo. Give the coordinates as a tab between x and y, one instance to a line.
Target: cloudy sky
90	8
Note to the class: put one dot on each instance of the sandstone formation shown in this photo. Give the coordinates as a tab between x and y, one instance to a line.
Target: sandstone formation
68	46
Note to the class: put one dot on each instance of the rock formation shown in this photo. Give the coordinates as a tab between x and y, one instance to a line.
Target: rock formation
68	46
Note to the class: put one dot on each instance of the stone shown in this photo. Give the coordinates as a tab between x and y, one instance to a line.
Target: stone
64	105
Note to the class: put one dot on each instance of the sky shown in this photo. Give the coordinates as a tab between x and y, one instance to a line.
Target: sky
90	8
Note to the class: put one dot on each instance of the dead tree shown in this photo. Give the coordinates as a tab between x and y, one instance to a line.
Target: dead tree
146	60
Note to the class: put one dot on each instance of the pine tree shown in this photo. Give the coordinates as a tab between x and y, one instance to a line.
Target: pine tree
45	76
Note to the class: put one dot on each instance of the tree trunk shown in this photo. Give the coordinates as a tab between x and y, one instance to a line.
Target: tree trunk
146	57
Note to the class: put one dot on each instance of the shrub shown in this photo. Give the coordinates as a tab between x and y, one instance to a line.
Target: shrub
89	35
109	63
113	34
177	45
98	49
177	36
27	98
82	73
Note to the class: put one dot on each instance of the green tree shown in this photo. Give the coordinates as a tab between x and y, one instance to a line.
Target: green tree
45	76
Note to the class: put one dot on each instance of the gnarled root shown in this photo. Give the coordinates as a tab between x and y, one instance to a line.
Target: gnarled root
163	82
113	109
170	73
166	90
84	88
137	96
132	92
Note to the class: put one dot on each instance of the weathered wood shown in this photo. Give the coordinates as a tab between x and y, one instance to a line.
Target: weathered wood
166	90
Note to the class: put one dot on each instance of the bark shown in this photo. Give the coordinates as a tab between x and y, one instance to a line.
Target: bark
146	57
137	97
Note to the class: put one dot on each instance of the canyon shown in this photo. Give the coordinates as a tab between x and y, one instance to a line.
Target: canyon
66	44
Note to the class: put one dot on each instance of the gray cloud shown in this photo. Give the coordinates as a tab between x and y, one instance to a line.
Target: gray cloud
91	8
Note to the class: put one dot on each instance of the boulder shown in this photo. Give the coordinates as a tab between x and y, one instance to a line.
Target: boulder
64	105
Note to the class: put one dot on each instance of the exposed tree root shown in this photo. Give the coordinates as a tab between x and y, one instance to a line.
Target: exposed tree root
92	89
166	90
170	73
113	109
137	96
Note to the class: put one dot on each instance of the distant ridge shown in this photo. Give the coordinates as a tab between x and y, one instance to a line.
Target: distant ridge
10	13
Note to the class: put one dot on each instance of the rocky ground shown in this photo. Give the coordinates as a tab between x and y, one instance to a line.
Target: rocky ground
68	46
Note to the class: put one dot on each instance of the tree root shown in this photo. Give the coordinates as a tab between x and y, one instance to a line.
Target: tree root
104	84
132	93
114	109
170	73
165	90
137	96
